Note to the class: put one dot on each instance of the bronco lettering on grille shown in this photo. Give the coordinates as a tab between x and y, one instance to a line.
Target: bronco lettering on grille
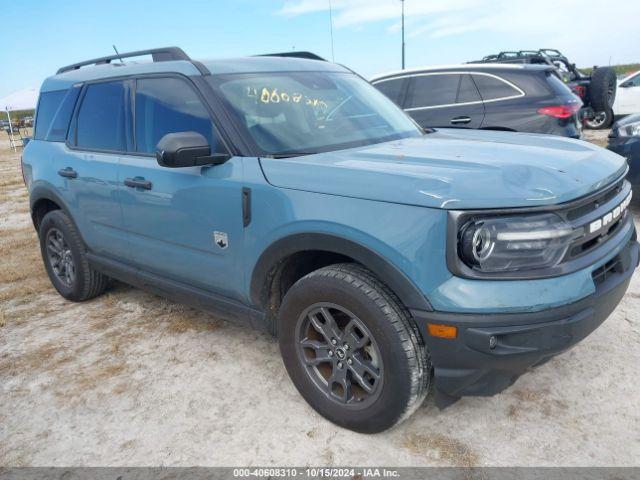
611	216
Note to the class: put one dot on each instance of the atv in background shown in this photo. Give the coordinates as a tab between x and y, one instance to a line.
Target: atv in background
597	91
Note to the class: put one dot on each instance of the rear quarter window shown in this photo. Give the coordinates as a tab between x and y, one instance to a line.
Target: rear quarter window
557	86
47	107
58	130
494	88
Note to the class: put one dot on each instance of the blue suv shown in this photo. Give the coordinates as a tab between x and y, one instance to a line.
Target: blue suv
290	195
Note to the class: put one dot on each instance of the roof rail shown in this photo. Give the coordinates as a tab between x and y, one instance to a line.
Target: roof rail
157	54
307	55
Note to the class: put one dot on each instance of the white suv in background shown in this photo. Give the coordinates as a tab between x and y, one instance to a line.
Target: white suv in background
628	95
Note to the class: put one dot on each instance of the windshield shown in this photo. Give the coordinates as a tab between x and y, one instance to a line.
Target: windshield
298	113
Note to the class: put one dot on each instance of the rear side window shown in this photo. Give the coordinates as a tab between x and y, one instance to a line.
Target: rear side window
468	92
392	89
101	118
494	88
168	105
47	107
433	90
60	124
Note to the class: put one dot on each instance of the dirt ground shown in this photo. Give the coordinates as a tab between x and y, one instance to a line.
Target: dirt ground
131	379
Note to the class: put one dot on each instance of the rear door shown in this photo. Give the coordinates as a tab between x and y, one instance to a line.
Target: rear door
185	224
97	138
433	100
502	106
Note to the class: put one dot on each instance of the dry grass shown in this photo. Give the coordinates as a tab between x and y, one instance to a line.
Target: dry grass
22	277
542	399
440	447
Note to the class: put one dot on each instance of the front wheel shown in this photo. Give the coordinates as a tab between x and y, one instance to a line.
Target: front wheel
352	350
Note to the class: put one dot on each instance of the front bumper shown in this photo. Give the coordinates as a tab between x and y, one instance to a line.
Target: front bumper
492	350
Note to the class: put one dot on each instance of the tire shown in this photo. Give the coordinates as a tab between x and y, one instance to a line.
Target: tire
600	120
603	88
386	350
65	259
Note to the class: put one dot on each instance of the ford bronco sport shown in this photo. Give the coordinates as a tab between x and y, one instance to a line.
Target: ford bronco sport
290	195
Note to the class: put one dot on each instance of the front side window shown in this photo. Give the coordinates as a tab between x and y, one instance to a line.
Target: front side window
168	105
101	118
47	107
432	90
493	88
393	89
309	112
633	82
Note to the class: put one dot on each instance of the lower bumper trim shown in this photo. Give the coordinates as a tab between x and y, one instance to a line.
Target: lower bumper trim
493	350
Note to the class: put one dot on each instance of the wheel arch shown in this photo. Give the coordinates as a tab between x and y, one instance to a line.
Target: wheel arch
278	253
42	200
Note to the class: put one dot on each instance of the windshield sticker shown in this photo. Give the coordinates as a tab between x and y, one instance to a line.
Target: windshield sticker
274	95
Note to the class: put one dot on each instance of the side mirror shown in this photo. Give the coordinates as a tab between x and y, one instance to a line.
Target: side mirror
187	149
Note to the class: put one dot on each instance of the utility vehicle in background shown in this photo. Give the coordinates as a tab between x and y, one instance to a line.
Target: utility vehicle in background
597	91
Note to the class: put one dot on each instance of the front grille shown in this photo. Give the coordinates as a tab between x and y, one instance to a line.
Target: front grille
593	208
580	247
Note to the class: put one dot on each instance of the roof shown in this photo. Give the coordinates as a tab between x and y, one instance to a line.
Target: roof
185	67
461	67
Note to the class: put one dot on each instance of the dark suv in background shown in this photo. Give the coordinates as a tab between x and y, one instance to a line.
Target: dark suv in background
522	98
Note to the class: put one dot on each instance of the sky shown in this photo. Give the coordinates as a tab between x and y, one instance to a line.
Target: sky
42	35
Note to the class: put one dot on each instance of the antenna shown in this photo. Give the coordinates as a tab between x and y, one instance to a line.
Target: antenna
402	1
118	54
333	57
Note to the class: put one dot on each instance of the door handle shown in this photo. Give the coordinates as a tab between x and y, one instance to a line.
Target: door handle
460	120
138	182
68	173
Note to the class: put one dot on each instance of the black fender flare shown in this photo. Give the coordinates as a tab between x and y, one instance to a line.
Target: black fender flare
44	192
400	284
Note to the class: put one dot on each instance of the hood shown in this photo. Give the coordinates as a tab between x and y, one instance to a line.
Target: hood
456	169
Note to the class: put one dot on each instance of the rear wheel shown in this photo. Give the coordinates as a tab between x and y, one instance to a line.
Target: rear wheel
65	259
352	350
600	120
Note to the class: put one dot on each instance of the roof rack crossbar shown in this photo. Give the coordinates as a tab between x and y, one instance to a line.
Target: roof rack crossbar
157	54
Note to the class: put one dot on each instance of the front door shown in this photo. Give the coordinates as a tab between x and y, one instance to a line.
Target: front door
184	224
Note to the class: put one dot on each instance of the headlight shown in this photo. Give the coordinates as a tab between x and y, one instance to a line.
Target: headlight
631	130
504	244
